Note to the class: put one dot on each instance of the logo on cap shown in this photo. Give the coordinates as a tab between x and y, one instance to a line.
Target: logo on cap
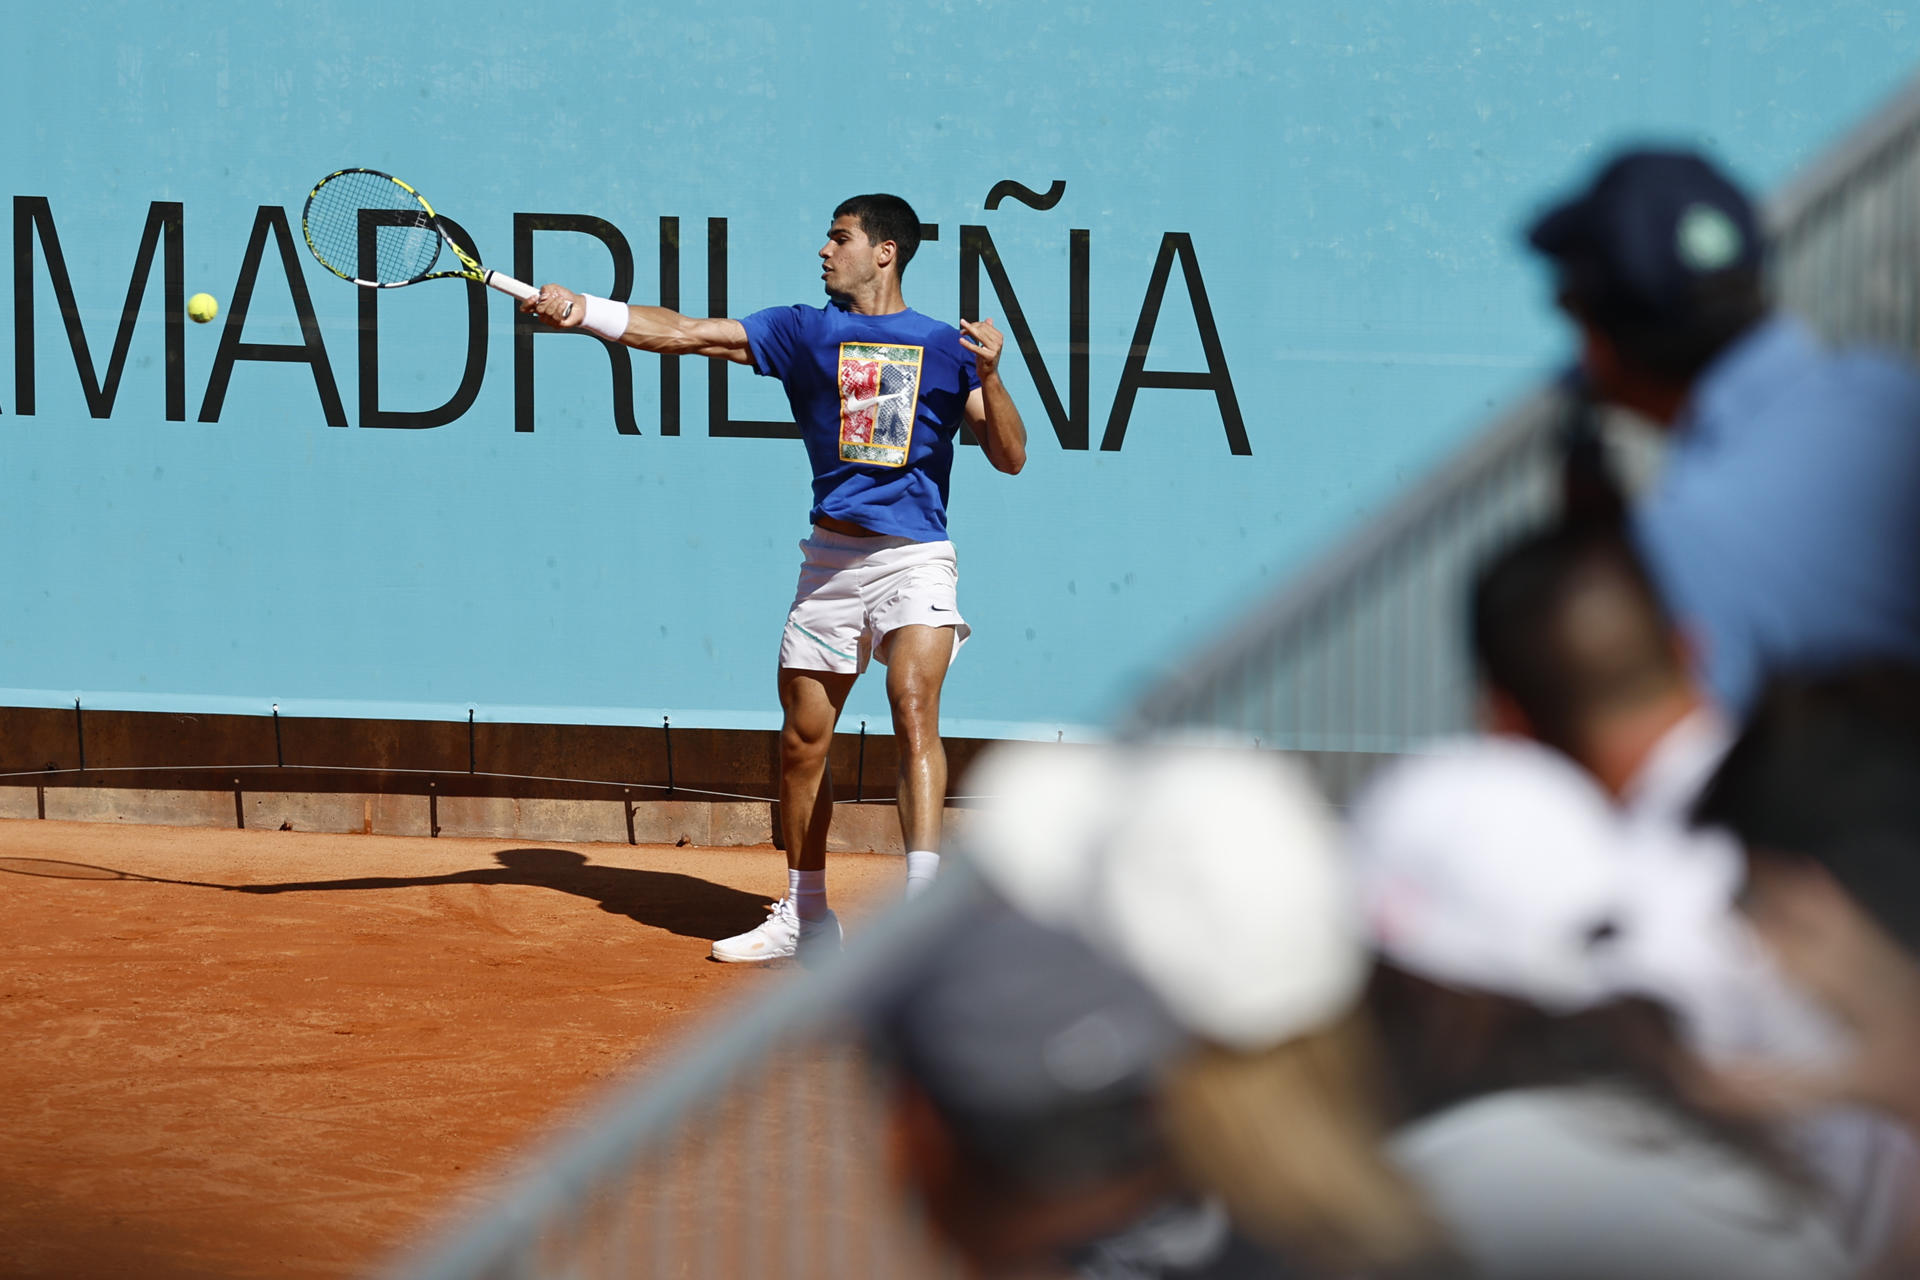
1707	238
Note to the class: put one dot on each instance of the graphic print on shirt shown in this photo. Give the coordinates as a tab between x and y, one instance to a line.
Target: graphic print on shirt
879	396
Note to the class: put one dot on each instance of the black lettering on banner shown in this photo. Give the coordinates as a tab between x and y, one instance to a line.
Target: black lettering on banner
165	221
310	350
719	423
977	249
371	414
1136	374
524	225
1008	189
670	299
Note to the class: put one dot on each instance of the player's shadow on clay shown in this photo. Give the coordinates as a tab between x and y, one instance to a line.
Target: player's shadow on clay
680	904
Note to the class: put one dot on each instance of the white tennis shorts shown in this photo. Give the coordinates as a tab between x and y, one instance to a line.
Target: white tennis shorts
854	592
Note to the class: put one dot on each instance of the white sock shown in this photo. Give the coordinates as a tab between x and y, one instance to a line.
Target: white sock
922	866
808	889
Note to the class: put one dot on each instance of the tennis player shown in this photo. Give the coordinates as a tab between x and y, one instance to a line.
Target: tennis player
879	392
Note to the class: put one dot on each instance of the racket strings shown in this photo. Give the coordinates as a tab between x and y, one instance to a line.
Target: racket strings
358	208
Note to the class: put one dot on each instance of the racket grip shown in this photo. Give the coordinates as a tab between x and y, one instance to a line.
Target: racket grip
507	284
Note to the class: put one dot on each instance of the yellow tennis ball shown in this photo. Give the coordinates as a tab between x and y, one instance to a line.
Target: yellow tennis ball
202	307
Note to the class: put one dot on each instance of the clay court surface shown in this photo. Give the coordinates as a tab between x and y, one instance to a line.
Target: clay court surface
292	1066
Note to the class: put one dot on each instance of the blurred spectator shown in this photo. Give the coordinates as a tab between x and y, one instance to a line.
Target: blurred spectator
1575	650
1024	1113
1152	1063
1823	786
1785	530
1544	1117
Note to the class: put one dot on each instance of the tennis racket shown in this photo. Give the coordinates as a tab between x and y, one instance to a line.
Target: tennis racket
59	869
351	209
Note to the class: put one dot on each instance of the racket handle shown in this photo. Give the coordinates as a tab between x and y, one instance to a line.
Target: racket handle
507	284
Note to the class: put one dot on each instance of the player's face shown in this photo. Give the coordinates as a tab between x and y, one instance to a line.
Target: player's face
847	258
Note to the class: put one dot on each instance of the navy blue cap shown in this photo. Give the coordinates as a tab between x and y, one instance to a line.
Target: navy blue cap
1637	244
1042	1056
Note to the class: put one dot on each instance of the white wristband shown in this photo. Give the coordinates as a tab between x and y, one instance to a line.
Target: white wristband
604	318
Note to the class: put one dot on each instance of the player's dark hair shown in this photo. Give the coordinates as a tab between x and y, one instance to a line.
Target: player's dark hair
884	217
1567	624
1678	346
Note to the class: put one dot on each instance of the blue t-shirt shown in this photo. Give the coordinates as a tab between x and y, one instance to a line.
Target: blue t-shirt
1784	532
879	400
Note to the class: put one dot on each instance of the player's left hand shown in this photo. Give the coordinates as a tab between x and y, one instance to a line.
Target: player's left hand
985	341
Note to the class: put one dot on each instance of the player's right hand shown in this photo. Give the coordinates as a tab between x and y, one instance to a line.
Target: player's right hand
561	308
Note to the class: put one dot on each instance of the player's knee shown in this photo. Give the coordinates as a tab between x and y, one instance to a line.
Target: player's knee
916	720
804	741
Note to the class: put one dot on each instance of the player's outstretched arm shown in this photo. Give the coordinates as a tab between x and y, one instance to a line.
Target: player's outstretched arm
648	328
991	413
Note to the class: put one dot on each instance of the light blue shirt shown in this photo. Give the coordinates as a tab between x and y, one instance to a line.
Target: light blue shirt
1784	532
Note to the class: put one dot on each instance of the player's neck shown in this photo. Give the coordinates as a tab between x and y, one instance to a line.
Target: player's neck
882	298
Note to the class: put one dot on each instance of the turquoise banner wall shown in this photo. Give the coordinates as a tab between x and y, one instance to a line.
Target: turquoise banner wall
1303	215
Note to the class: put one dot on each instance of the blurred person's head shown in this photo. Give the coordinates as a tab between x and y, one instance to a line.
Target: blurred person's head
1502	923
1823	789
1290	1138
1212	878
1658	262
1509	937
1177	861
1575	650
1026	1068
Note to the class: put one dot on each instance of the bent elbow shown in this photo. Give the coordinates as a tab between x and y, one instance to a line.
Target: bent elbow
1012	462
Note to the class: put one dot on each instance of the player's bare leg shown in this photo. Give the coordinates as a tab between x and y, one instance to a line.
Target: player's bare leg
810	702
917	660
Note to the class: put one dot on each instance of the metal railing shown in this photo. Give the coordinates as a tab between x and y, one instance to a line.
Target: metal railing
758	1151
1846	232
755	1153
1364	655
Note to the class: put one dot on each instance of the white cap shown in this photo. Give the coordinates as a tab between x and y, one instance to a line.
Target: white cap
1213	874
1495	864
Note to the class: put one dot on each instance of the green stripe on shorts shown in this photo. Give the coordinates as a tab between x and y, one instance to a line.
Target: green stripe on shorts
822	643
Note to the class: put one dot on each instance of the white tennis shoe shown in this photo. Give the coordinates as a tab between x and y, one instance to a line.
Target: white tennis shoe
782	936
